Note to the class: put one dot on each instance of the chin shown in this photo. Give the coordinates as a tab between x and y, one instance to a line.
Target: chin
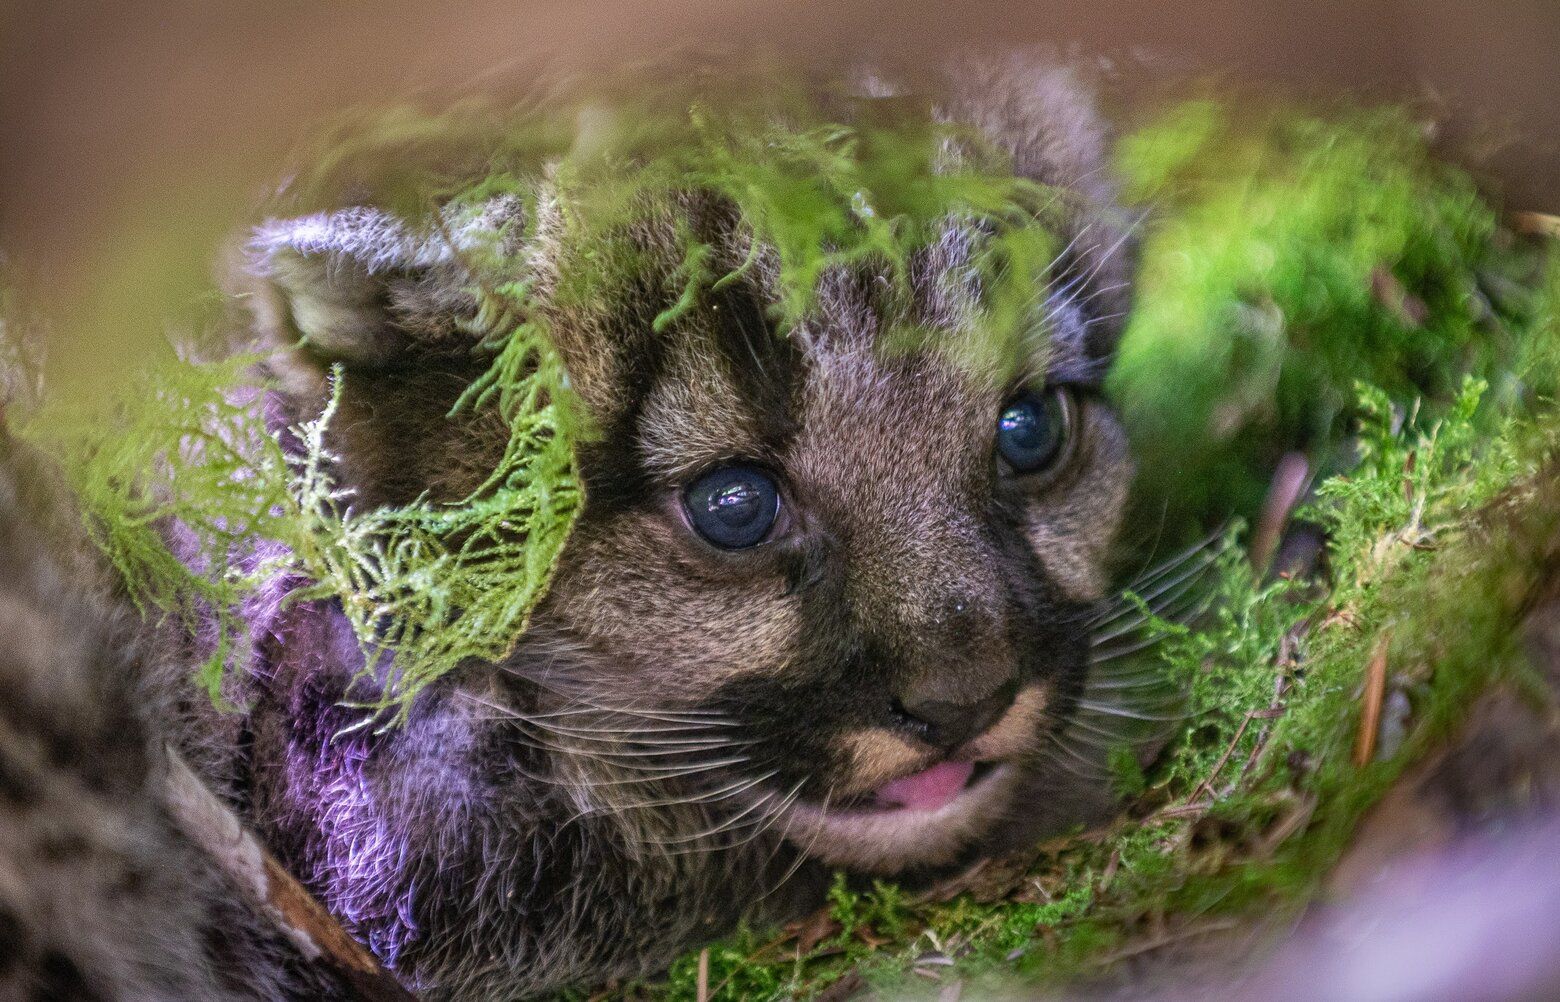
885	840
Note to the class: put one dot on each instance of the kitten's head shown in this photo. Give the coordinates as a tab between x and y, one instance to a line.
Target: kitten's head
830	582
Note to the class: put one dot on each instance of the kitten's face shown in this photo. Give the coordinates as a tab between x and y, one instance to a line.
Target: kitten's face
876	567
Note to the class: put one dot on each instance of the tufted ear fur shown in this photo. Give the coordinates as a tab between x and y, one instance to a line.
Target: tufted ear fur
365	288
398	306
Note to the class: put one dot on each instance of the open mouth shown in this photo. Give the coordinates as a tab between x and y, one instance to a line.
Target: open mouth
924	819
931	789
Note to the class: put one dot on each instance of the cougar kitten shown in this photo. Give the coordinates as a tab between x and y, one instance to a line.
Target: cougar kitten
826	606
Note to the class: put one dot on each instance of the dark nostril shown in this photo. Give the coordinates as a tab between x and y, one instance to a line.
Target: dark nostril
948	724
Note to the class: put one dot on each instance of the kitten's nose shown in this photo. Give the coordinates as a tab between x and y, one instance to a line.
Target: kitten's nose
948	724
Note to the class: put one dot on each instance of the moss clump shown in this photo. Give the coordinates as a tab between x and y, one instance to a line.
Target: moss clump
442	584
186	450
1291	254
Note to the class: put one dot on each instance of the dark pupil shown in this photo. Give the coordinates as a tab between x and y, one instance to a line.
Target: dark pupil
1029	433
736	505
733	507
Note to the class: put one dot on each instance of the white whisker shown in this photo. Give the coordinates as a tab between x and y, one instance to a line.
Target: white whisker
1122	711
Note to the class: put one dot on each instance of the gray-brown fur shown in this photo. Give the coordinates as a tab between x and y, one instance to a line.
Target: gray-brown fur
527	827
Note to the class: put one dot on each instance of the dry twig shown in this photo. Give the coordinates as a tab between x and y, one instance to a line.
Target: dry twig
846	987
1540	224
1371	701
1164	940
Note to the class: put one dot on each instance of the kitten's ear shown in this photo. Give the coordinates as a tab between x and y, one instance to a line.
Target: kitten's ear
399	306
364	288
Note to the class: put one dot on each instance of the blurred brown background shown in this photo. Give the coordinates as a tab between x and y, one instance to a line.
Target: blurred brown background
133	136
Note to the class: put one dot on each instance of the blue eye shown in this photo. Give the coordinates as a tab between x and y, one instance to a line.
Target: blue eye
734	506
1032	430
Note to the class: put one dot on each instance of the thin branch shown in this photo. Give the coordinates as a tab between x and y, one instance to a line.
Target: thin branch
318	937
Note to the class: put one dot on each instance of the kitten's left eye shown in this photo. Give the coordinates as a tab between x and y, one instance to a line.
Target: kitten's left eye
1033	428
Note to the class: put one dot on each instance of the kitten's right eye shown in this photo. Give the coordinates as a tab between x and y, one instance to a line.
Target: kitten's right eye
1032	430
734	506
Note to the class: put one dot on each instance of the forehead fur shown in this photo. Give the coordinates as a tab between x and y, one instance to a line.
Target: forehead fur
721	379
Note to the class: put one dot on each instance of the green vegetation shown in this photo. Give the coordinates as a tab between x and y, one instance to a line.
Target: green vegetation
1312	282
1293	254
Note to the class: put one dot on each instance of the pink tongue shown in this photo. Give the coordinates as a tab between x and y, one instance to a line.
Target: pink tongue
929	789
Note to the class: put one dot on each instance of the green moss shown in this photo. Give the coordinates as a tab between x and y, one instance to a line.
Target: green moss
1313	282
882	910
867	185
213	469
1292	254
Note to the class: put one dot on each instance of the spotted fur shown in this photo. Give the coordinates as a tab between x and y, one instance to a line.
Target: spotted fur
102	895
